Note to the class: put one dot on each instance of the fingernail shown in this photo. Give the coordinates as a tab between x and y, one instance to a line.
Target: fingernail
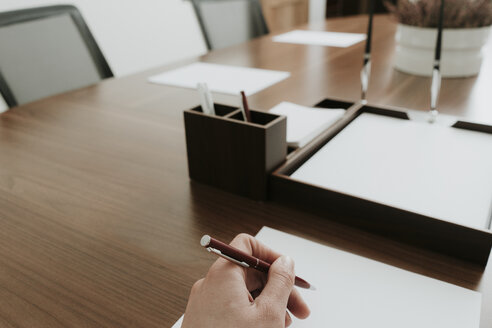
287	261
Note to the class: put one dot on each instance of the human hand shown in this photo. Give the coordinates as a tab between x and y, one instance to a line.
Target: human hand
232	296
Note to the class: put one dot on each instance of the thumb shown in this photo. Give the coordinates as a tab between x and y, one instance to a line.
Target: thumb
279	284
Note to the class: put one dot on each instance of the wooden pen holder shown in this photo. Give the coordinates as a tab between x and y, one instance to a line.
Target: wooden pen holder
226	152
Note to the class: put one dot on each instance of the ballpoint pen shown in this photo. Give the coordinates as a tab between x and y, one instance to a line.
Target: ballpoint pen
206	99
245	107
436	72
243	259
365	73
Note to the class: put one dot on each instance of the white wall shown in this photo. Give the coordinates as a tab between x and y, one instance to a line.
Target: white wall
135	35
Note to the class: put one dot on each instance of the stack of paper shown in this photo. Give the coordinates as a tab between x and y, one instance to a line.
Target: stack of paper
319	38
430	169
221	78
305	123
354	292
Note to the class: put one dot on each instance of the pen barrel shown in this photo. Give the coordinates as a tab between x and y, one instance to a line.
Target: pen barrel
369	27
252	261
240	255
245	106
261	266
299	282
437	55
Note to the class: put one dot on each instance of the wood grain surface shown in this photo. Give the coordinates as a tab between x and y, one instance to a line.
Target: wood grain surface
100	225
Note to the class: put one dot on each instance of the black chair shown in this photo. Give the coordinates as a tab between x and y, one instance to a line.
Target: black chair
228	22
46	51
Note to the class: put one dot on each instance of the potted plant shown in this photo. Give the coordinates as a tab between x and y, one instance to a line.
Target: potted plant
466	30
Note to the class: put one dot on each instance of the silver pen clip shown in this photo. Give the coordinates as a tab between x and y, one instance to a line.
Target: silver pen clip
219	253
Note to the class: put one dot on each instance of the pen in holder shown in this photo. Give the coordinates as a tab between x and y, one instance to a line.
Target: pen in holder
226	152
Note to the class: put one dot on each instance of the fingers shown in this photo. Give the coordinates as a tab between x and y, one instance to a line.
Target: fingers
297	306
275	295
254	247
250	245
277	288
255	282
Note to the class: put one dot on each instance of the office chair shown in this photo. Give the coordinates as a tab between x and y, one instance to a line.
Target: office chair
46	51
228	22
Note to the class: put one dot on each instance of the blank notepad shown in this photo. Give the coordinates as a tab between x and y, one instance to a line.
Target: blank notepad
305	123
355	292
320	38
221	78
434	170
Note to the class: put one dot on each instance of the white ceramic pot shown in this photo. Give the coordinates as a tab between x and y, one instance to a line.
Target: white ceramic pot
461	50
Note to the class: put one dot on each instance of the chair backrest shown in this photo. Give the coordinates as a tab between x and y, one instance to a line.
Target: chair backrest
46	51
228	22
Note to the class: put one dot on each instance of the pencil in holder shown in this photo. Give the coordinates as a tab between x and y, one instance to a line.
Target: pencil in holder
231	154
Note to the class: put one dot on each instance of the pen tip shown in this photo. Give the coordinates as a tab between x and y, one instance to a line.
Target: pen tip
205	241
311	287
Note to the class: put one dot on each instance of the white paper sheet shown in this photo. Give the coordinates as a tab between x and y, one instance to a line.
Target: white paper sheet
305	123
319	38
355	292
221	78
434	170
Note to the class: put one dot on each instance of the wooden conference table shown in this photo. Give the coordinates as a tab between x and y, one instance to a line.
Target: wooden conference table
99	223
